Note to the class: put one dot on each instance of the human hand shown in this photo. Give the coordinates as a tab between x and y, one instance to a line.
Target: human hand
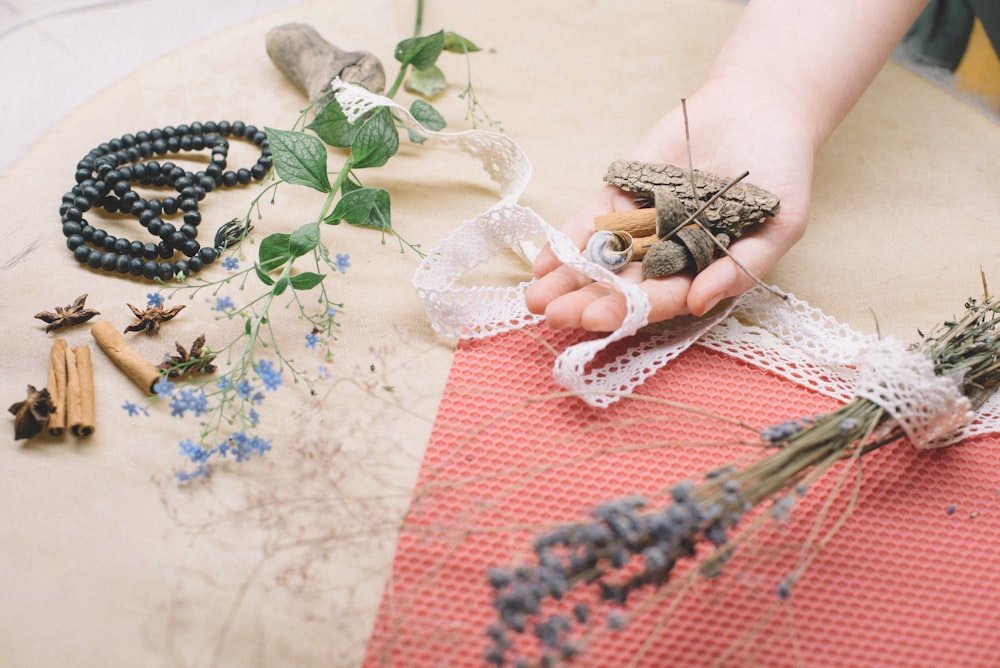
734	127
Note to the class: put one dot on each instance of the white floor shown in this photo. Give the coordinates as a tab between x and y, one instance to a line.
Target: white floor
56	54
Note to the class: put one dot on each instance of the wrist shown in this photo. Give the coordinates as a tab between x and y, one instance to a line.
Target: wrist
756	95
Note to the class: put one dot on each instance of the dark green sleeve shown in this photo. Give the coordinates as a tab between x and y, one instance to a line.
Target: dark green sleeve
940	34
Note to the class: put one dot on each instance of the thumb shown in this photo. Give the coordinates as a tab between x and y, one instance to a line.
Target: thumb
725	278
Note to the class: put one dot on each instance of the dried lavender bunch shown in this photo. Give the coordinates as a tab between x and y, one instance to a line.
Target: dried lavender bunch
627	546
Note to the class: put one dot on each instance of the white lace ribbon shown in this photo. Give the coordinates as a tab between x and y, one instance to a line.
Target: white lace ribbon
927	406
470	312
786	337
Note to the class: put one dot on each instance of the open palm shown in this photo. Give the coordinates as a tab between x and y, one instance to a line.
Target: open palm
771	141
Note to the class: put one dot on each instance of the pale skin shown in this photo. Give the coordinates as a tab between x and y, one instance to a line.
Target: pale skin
787	75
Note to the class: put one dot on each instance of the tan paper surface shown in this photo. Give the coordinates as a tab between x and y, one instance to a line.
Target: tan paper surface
105	561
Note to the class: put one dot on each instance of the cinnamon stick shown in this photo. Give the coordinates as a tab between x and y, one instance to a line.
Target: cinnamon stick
73	404
139	370
57	387
637	222
85	420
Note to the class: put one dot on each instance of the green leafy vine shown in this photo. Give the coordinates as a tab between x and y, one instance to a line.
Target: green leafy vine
290	269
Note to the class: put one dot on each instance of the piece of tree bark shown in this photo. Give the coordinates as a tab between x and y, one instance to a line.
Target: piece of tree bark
742	206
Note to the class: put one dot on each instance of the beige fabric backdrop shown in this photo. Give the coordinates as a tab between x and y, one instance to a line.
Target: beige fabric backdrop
105	561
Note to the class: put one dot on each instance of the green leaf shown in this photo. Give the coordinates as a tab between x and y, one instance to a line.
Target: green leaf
428	116
365	207
265	279
332	126
306	280
274	251
299	158
414	137
280	286
303	239
429	82
421	52
376	141
455	43
246	322
350	183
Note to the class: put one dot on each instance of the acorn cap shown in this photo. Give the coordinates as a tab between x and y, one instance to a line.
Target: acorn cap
670	211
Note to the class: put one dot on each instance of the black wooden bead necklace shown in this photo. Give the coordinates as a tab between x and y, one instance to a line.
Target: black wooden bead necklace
104	179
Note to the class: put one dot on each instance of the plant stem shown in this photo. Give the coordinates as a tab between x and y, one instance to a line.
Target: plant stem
419	22
398	82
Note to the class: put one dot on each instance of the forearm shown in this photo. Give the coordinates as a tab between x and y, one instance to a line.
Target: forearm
786	77
818	56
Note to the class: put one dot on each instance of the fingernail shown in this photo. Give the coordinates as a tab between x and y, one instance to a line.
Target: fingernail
712	303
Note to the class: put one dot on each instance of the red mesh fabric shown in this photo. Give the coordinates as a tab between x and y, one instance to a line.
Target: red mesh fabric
911	578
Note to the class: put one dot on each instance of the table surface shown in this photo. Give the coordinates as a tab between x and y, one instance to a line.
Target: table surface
106	561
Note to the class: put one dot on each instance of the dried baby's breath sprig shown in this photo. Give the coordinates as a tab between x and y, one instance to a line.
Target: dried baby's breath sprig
627	545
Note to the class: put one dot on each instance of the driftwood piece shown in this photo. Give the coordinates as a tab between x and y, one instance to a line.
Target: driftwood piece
311	63
742	206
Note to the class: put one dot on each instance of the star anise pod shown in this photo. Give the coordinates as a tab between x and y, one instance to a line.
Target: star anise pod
149	319
195	360
73	314
32	415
